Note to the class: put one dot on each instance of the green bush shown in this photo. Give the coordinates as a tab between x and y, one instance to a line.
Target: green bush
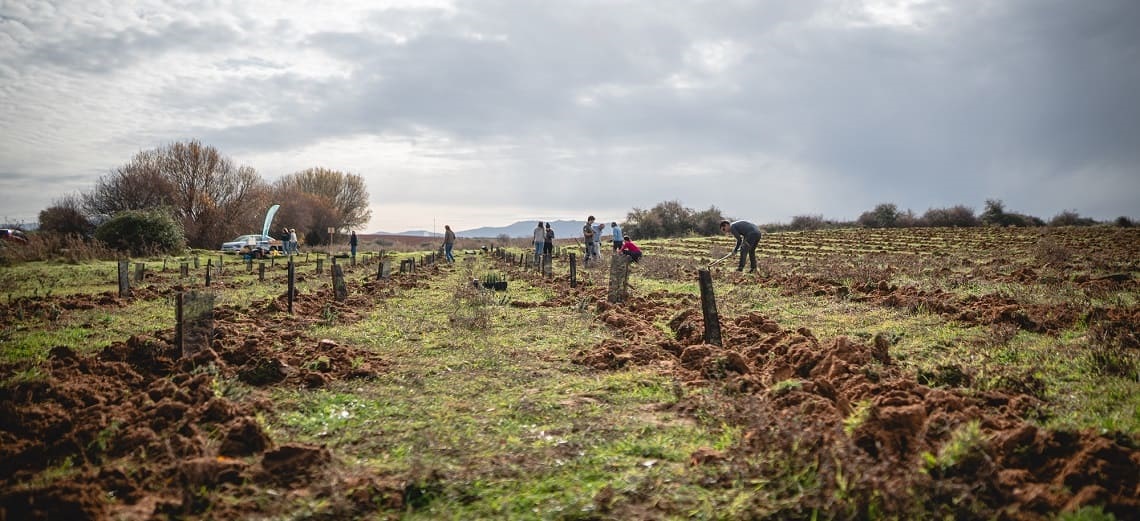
142	232
954	216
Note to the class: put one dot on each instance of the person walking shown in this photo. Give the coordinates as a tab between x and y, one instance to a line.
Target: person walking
448	243
616	230
352	243
539	242
588	236
747	237
293	249
548	240
631	249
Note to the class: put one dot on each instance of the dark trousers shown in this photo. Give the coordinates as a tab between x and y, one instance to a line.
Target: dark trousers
748	249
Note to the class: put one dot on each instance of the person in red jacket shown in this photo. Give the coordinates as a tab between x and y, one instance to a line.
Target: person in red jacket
631	249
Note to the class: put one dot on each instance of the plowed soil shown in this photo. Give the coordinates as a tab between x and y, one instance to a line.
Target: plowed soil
145	433
138	432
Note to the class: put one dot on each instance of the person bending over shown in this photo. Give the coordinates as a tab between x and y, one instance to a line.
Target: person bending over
631	249
747	237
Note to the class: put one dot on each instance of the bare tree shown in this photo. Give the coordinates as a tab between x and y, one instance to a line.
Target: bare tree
211	198
214	199
137	185
345	192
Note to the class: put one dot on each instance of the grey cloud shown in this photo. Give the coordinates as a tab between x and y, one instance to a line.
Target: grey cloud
103	53
812	116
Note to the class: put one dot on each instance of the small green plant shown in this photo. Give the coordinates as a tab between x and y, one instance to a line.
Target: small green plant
328	314
966	444
858	416
786	386
1087	513
491	278
105	436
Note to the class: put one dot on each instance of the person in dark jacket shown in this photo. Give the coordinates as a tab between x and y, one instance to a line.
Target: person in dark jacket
747	237
548	241
352	243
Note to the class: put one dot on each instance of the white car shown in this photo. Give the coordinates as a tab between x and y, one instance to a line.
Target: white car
264	243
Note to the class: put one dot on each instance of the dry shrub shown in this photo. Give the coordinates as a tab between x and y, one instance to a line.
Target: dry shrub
471	305
1112	350
48	246
1051	252
664	268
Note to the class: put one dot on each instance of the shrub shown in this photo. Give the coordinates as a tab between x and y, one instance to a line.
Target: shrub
960	215
1124	222
1070	218
807	222
995	215
66	217
140	232
885	215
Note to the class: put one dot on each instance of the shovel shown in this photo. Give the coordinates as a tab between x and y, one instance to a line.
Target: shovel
718	261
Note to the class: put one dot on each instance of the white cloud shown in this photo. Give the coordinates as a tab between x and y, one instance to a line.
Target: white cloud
472	110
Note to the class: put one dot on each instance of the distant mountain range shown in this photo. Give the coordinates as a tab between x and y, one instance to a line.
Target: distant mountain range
562	230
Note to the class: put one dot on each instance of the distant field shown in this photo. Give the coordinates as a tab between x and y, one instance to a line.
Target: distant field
977	373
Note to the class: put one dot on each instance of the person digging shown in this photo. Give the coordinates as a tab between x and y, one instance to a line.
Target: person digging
747	237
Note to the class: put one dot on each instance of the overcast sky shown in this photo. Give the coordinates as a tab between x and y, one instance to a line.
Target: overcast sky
483	113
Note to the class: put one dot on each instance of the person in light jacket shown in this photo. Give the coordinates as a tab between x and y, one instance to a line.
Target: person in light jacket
616	230
539	241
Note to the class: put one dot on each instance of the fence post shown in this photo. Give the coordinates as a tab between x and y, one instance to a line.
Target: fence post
573	270
124	279
292	283
194	315
340	290
619	278
708	309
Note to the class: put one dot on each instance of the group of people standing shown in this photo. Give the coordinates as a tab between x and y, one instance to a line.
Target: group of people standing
543	241
592	234
747	238
289	241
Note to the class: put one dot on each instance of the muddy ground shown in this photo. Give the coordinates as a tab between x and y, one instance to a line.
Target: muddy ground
138	432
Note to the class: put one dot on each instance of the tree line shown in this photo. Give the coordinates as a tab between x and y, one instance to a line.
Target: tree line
671	219
190	194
